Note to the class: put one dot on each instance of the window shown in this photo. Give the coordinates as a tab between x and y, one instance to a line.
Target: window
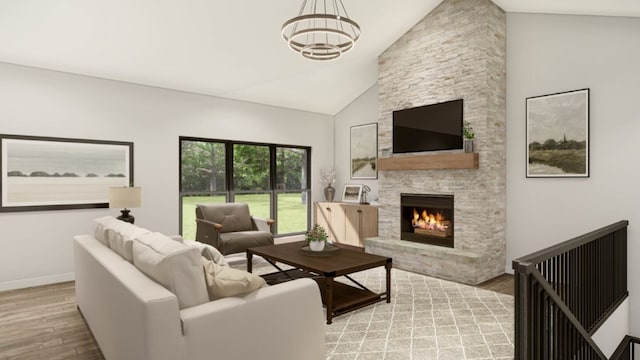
291	185
272	179
202	179
251	174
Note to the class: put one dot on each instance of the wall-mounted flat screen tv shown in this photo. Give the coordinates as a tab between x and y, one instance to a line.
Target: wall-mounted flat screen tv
428	128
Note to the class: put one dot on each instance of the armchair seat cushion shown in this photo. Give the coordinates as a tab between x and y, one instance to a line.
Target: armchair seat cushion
239	241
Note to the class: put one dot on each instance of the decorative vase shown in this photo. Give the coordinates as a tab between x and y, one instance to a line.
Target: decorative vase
468	145
329	193
316	245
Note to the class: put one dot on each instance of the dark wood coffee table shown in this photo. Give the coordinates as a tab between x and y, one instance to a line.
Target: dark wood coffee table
339	298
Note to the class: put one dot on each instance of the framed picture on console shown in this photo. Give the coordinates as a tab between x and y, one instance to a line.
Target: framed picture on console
558	135
46	173
364	151
352	193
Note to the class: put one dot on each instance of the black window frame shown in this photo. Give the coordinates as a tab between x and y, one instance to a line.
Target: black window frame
230	192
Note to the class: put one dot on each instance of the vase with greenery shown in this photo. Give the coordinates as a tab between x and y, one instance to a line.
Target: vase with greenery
328	178
316	238
468	136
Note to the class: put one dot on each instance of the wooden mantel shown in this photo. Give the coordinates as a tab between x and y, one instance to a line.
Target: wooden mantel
427	162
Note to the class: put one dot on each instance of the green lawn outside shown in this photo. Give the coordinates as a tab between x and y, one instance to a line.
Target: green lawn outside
292	213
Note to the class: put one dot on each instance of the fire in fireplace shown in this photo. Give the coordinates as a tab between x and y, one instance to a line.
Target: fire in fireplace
427	219
430	224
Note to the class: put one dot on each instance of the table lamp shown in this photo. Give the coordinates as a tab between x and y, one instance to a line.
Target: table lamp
125	197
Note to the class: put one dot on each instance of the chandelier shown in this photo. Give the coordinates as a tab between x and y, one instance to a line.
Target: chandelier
321	31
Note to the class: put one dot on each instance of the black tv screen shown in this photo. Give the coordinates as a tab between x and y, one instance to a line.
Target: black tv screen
428	128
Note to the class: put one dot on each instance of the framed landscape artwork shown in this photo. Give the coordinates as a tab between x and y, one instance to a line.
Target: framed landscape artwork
352	193
364	151
558	135
44	173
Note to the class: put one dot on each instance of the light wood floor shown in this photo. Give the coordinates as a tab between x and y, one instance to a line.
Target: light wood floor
43	322
502	284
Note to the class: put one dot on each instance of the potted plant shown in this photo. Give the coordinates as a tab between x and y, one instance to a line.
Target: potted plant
316	238
328	178
468	135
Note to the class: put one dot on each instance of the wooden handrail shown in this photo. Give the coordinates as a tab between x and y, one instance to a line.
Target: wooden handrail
565	246
625	350
565	292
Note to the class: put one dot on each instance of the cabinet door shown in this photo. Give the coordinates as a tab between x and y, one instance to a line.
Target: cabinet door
330	217
353	215
361	223
368	223
322	215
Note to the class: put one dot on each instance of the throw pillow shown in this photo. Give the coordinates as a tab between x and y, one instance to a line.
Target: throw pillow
224	281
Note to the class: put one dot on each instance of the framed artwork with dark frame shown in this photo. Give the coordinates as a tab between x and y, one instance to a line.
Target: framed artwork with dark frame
46	173
352	193
558	135
364	151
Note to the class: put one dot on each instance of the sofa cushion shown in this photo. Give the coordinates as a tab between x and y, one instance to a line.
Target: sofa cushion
209	252
175	266
100	226
120	236
225	281
177	238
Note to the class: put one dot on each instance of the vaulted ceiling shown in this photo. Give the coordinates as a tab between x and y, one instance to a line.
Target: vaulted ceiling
225	48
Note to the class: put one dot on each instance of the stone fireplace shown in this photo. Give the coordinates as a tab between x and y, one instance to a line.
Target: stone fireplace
427	219
456	51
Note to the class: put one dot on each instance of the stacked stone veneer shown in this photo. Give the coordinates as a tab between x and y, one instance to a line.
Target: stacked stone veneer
456	51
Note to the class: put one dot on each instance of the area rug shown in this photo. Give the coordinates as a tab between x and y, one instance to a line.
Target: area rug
427	318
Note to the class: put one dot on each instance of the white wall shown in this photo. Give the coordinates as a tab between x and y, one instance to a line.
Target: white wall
363	110
36	247
554	53
611	333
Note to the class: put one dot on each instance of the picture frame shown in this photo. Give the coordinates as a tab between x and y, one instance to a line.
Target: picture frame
558	135
352	193
47	173
363	159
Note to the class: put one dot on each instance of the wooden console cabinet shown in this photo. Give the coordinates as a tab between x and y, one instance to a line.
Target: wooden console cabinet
347	223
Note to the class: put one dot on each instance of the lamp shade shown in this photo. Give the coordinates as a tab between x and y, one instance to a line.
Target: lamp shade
125	197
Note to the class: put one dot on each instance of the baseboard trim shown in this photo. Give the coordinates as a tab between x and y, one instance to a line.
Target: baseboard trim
37	281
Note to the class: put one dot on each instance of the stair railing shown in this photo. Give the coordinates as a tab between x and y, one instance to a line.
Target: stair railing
565	292
627	349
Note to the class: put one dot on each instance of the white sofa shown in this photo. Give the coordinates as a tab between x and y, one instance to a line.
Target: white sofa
134	317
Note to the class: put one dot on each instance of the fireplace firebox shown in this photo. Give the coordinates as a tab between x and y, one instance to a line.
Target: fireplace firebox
427	219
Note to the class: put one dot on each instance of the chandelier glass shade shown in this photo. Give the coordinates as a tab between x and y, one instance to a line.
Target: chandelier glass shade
321	31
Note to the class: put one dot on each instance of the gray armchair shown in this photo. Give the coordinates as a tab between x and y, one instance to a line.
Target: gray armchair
230	228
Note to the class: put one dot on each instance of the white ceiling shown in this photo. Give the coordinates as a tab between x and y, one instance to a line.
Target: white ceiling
226	48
